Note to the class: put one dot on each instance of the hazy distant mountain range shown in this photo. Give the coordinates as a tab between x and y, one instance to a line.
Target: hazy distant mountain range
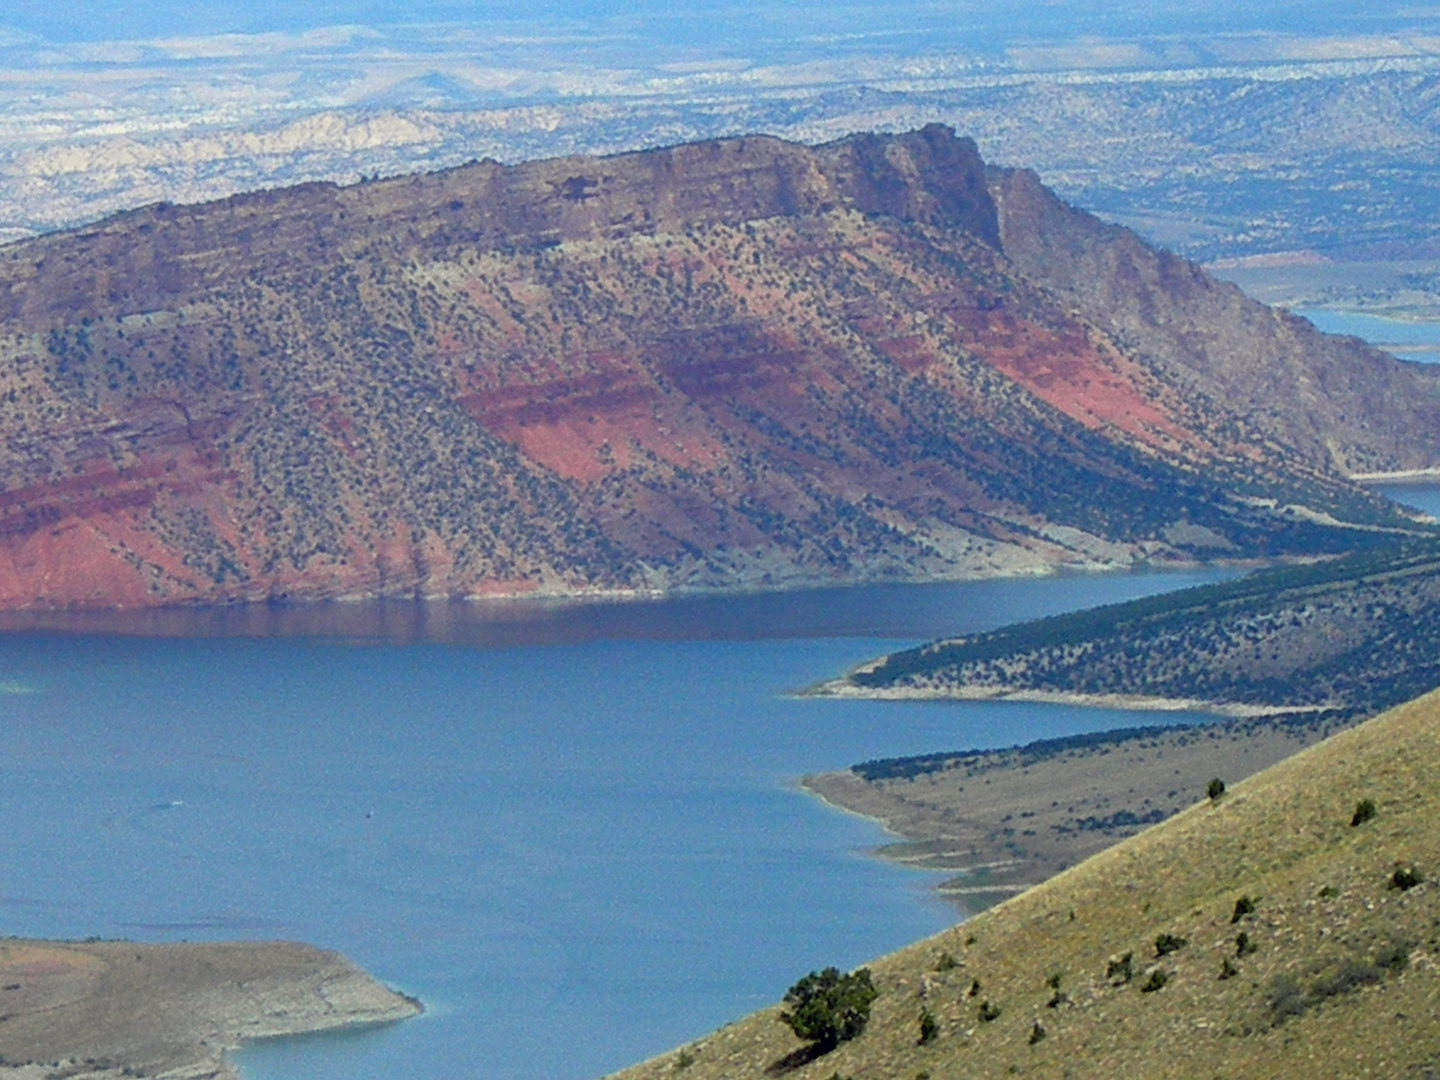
741	363
1218	146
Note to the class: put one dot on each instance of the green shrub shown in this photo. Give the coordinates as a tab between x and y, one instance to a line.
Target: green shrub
1165	944
1158	978
1405	877
928	1027
1286	999
1344	977
1215	788
1057	996
828	1008
1243	945
1289	997
1037	1033
946	962
1121	970
1228	970
989	1012
1394	957
974	988
1364	811
1244	906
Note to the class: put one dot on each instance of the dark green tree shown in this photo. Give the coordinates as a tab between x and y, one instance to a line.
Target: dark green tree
828	1008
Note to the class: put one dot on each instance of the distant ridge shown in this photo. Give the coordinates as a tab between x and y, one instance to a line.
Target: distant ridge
434	91
1343	639
737	364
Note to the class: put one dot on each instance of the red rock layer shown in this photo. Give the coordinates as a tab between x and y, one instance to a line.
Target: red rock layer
740	363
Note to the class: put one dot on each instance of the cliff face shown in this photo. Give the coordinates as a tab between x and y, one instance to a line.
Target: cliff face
744	362
1337	400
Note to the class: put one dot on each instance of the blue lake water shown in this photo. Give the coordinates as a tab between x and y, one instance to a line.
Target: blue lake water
573	831
1421	496
1409	339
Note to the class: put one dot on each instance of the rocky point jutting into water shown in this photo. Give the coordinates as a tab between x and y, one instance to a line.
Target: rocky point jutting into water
107	1009
741	363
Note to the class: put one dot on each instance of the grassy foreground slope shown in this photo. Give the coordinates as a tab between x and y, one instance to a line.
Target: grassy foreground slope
1338	976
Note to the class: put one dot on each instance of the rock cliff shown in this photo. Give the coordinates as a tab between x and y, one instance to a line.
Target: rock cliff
1336	399
742	363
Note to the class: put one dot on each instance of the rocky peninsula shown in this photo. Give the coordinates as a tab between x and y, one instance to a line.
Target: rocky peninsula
105	1009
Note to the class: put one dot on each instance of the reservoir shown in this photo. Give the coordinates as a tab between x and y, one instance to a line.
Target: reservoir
573	831
1408	339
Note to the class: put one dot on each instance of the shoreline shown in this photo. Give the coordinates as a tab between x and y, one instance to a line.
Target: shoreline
102	1010
1404	476
1002	820
843	688
506	619
552	596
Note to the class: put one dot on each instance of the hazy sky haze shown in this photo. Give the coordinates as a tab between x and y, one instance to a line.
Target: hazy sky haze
702	22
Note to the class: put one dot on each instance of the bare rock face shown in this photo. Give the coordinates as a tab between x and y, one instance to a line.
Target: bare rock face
102	1009
1337	400
743	363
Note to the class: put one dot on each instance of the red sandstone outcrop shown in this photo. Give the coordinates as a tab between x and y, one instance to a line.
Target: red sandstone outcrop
743	363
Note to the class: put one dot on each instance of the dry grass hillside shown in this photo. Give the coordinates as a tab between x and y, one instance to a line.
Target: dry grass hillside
1333	972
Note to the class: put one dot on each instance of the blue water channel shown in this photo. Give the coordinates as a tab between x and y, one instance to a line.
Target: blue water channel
575	833
1409	339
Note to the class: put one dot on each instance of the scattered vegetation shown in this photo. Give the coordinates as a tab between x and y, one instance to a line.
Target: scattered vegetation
1291	994
1214	789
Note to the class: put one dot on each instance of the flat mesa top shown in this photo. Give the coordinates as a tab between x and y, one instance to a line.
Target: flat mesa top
105	1008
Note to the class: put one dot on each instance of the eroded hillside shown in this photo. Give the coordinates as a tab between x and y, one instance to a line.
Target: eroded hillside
744	363
1337	640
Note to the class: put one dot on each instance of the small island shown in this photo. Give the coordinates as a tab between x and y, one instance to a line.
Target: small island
106	1009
